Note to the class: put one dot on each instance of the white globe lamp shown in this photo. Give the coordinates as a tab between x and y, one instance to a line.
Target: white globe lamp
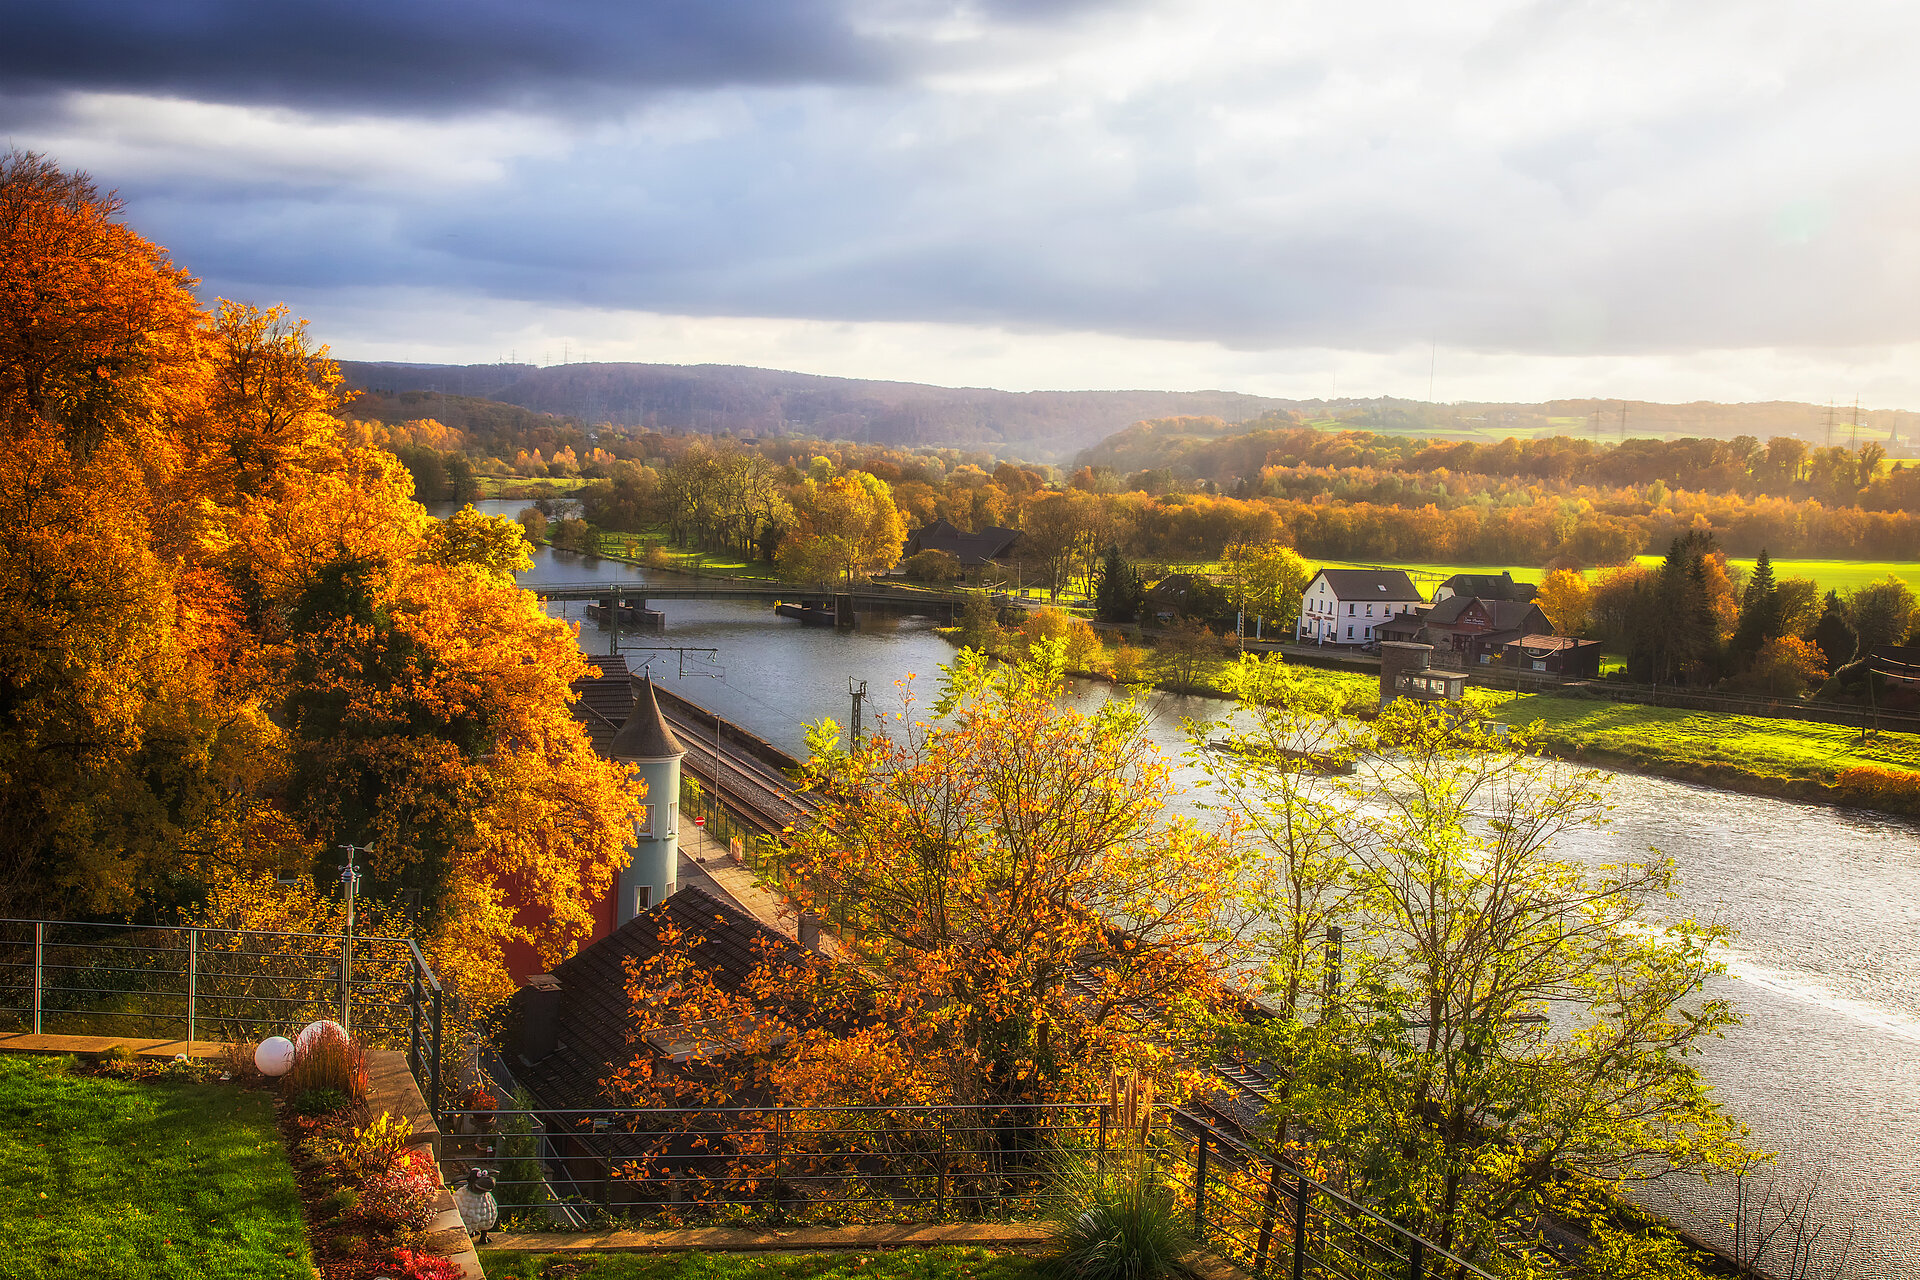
325	1028
274	1057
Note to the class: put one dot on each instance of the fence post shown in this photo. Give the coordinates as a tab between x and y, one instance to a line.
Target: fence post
1300	1227
1267	1207
1200	1189
39	971
193	982
433	1102
773	1205
413	1007
1417	1259
346	984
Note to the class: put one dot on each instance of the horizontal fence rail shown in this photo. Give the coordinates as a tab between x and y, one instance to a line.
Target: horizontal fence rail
63	977
674	1166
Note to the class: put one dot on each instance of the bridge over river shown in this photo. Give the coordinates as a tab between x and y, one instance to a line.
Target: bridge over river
823	602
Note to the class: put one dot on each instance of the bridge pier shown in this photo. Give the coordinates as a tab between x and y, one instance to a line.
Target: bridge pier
844	618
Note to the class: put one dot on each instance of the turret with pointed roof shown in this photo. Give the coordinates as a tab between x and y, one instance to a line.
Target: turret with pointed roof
645	735
647	743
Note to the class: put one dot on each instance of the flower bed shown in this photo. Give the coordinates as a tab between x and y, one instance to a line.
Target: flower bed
367	1185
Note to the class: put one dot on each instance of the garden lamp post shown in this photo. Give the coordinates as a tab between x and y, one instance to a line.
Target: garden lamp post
350	878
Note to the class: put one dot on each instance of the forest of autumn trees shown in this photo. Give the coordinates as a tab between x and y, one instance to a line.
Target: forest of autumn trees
233	641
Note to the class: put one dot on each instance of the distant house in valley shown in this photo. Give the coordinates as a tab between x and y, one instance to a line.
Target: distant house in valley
1487	586
1474	629
1184	595
1349	606
972	550
1556	655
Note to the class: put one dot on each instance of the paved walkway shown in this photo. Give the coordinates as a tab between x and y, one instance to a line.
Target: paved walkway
704	861
992	1235
92	1046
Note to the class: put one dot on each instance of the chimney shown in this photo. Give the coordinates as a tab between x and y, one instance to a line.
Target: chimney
539	1017
1398	658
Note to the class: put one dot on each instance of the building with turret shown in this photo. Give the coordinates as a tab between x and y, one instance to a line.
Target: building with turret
645	742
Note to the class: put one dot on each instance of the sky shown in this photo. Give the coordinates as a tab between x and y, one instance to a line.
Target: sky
1702	200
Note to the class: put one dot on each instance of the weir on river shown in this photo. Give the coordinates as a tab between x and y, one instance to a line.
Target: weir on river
1826	904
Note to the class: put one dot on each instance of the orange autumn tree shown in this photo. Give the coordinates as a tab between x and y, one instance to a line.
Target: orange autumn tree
232	639
1010	881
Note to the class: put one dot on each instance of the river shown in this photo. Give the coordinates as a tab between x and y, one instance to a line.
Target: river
1825	902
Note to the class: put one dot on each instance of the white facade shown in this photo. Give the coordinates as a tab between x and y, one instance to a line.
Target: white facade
1348	610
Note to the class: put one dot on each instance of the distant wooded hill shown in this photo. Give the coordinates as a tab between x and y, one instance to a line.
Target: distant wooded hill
1040	426
1052	426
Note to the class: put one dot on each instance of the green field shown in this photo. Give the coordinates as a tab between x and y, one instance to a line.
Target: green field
1831	575
142	1180
1667	738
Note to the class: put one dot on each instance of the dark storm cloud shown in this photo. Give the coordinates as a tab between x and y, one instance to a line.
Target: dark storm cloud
386	56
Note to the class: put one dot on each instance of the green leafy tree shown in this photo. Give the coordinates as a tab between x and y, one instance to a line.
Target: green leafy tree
1517	1033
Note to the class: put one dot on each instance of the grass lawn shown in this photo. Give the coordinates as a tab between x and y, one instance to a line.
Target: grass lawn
945	1263
1673	736
117	1179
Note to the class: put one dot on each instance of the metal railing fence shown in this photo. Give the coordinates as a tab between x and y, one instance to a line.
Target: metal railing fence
674	1166
64	977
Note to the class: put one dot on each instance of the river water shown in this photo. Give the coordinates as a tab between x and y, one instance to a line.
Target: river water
1825	903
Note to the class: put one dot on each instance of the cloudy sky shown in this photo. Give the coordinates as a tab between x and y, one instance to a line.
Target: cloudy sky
1697	200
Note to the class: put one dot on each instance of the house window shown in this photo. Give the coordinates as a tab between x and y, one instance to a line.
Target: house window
1369	611
1349	633
1350	609
673	817
643	825
642	898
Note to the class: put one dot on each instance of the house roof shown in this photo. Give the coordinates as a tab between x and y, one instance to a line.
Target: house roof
1488	586
603	698
645	735
1503	615
1550	644
1371	584
971	549
595	1009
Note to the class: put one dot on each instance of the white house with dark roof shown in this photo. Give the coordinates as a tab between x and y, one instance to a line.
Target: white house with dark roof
1348	606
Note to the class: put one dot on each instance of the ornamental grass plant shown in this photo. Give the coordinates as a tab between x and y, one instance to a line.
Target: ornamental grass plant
1114	1215
326	1057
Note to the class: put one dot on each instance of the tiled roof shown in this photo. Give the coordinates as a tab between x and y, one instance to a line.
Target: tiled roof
971	549
1371	584
1504	615
605	698
594	1006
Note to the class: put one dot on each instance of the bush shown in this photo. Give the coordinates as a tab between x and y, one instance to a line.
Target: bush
325	1057
408	1264
1118	1223
934	565
116	1055
397	1199
341	1201
319	1102
521	1181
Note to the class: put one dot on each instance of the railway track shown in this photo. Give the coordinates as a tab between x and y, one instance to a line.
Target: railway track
742	781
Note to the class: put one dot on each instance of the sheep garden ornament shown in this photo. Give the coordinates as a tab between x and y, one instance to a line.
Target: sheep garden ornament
474	1199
